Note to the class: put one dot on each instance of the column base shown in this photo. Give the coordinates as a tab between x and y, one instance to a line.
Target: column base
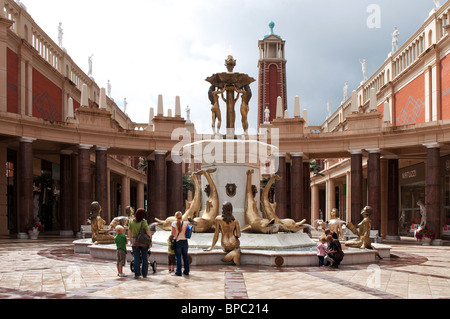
22	236
392	237
66	233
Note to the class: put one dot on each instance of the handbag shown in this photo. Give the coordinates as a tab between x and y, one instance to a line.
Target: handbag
189	229
142	237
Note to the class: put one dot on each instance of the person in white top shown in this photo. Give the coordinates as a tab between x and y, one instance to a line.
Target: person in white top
181	249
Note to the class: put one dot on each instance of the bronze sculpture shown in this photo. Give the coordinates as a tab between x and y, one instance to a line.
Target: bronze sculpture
334	224
205	223
122	220
269	211
192	207
255	223
215	108
231	83
99	234
363	230
229	227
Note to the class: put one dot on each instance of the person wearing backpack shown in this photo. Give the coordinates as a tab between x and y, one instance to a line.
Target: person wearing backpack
140	251
181	249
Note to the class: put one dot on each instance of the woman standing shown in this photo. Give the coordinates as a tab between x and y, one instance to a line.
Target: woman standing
140	251
181	249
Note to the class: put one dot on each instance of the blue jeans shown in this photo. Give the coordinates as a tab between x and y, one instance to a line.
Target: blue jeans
140	254
181	251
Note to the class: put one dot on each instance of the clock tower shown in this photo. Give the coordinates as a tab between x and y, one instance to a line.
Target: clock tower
272	74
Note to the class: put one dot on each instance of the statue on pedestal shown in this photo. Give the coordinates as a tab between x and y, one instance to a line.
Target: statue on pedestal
99	234
395	35
215	108
228	226
363	230
334	224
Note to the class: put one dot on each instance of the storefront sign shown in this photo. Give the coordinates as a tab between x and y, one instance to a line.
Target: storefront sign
412	174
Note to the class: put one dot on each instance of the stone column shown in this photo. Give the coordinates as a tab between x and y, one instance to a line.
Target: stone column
281	187
374	187
125	194
297	186
307	191
160	203
315	207
150	190
3	190
84	184
330	197
174	188
356	186
392	198
433	188
101	179
65	199
140	195
25	186
5	24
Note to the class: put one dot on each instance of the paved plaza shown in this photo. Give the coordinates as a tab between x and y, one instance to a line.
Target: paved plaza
48	268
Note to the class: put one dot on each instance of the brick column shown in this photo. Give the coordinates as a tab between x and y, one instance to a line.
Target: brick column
84	184
297	186
433	188
101	179
374	187
3	190
160	185
392	198
356	186
281	187
174	188
25	186
65	199
307	192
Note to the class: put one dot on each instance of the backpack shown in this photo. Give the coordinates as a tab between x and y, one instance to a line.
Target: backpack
188	233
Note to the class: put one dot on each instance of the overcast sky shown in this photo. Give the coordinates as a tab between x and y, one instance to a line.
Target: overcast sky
169	47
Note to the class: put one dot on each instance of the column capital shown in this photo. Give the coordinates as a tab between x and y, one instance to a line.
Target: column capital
297	154
85	146
432	145
280	154
66	152
355	151
160	152
373	150
101	148
27	139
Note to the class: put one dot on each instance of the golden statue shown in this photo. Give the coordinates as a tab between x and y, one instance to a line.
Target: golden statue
334	224
99	234
255	223
269	211
215	108
246	96
192	207
122	220
363	231
229	227
205	223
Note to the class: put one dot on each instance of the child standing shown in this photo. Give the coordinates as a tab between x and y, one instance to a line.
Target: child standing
171	255
121	243
321	251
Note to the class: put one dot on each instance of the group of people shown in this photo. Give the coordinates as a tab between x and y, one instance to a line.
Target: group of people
140	251
329	250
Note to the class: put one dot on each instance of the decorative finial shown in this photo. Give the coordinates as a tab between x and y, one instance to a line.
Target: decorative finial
271	26
230	63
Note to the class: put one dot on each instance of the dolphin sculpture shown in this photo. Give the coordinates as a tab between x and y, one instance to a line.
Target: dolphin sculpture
192	207
255	223
269	212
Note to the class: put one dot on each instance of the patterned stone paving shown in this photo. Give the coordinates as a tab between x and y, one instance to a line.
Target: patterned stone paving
49	269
